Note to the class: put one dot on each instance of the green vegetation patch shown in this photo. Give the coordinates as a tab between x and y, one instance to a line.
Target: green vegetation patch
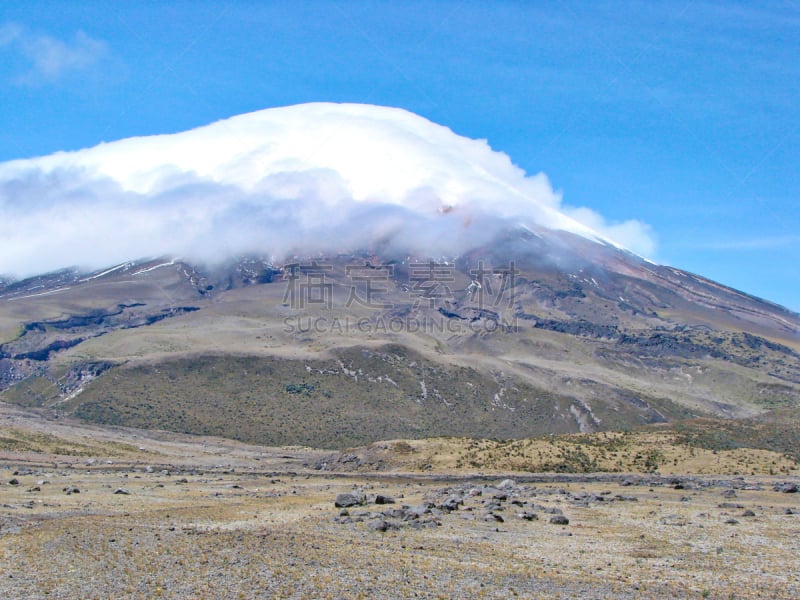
360	396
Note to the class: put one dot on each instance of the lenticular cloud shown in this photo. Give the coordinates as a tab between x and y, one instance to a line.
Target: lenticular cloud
312	177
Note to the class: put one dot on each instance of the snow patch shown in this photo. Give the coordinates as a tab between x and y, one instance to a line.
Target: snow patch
147	270
107	271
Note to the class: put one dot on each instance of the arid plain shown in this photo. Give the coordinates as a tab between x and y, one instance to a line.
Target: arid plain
100	512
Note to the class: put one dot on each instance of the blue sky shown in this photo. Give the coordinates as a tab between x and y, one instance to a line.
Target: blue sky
683	115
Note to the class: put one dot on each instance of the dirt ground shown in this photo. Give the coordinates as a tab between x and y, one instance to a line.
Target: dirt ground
216	533
91	512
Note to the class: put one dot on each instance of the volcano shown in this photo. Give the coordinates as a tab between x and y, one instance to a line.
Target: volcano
332	275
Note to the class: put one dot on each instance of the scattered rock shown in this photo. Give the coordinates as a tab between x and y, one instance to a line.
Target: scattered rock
493	517
748	513
378	525
675	520
348	499
381	499
528	516
71	490
344	520
451	503
507	484
786	487
14	481
122	491
559	520
424	524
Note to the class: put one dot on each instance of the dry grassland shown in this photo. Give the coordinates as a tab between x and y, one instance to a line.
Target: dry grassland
216	534
123	513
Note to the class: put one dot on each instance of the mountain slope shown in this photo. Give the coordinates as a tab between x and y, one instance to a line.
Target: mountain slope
552	341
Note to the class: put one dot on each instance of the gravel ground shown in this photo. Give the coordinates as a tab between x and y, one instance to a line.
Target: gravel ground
138	531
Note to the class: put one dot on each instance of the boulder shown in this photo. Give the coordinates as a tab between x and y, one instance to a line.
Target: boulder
493	518
528	516
348	499
787	487
378	525
451	503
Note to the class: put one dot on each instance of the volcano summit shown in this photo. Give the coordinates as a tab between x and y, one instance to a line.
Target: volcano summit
313	177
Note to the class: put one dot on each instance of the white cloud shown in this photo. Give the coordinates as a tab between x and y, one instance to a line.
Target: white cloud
50	58
632	234
311	177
